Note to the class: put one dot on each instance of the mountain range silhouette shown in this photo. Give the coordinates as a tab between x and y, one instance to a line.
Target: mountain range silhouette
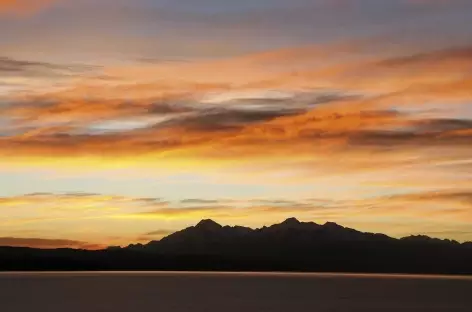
289	246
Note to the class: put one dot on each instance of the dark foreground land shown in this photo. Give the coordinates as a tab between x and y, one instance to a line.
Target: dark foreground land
289	246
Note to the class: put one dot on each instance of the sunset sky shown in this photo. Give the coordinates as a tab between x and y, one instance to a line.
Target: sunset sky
122	121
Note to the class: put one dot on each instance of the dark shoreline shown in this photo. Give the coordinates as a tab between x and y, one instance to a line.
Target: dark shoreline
245	273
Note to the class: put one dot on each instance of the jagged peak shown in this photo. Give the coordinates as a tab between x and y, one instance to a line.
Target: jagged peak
208	224
424	238
291	221
333	225
294	223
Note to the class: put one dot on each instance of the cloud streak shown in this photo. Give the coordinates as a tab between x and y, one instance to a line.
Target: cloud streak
376	114
47	243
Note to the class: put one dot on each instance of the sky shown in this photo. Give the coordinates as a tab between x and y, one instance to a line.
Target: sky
122	121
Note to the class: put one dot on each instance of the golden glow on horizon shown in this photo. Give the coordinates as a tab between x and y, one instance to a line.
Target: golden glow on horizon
95	212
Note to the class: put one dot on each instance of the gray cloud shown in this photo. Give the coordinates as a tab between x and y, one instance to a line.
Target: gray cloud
221	119
14	67
462	53
427	132
159	232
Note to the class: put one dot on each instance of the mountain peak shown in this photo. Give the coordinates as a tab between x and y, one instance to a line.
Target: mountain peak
332	225
208	224
291	222
427	239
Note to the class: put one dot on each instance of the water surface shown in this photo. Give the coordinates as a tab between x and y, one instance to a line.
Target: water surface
231	292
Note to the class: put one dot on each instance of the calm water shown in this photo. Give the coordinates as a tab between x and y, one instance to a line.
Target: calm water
238	292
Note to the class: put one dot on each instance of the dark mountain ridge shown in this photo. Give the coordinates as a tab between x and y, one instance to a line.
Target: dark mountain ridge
291	232
289	246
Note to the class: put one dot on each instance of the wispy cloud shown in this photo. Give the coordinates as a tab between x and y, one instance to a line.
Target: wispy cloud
376	113
34	68
47	243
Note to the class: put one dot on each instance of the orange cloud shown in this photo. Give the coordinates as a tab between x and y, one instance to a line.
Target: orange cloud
320	134
227	113
23	6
